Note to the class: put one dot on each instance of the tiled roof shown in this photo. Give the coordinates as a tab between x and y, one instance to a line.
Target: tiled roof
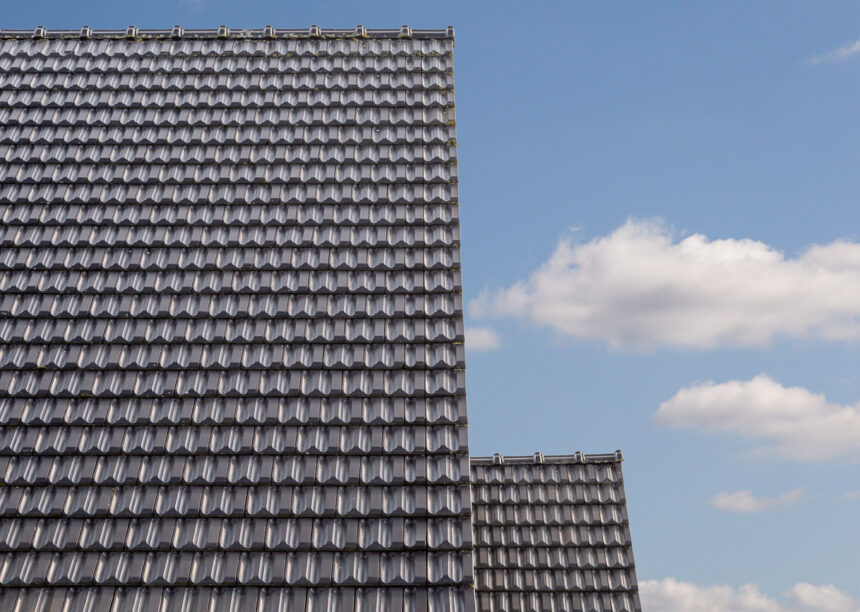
231	370
551	533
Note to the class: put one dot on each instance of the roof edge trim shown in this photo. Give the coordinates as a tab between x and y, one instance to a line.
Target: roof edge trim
222	32
538	458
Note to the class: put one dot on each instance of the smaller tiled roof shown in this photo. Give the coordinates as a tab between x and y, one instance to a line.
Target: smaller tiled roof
552	533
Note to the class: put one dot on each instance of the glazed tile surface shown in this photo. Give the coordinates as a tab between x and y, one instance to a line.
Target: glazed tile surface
231	370
552	533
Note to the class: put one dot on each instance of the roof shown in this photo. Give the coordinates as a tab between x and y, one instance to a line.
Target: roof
552	533
231	370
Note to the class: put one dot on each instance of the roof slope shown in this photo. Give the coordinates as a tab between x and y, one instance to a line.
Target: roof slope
231	371
551	533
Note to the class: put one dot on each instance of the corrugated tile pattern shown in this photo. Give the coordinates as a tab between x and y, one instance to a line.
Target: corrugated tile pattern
231	360
551	533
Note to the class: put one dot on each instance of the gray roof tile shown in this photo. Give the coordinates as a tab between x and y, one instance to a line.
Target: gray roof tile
551	533
231	322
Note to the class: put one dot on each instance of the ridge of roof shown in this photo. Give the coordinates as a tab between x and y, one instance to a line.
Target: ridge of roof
224	32
577	457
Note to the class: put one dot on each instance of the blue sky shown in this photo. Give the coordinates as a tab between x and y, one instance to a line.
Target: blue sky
588	122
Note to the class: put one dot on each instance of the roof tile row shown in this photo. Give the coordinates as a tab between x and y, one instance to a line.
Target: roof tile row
82	193
275	60
355	331
268	411
205	599
217	282
238	237
48	257
218	306
224	468
203	439
230	355
225	99
233	534
231	383
320	223
316	568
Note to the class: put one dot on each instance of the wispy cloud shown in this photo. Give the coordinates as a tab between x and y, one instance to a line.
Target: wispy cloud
672	595
195	6
792	422
744	502
836	55
480	339
639	287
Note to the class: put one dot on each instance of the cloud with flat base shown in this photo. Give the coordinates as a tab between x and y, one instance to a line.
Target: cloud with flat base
744	502
788	422
672	595
640	287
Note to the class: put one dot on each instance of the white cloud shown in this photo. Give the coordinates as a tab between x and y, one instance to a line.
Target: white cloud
803	596
836	55
639	287
744	502
671	595
792	422
482	339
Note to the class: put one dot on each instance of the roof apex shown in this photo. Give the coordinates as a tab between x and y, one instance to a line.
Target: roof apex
576	457
223	32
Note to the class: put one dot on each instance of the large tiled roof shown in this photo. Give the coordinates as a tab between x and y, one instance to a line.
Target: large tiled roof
551	533
231	370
